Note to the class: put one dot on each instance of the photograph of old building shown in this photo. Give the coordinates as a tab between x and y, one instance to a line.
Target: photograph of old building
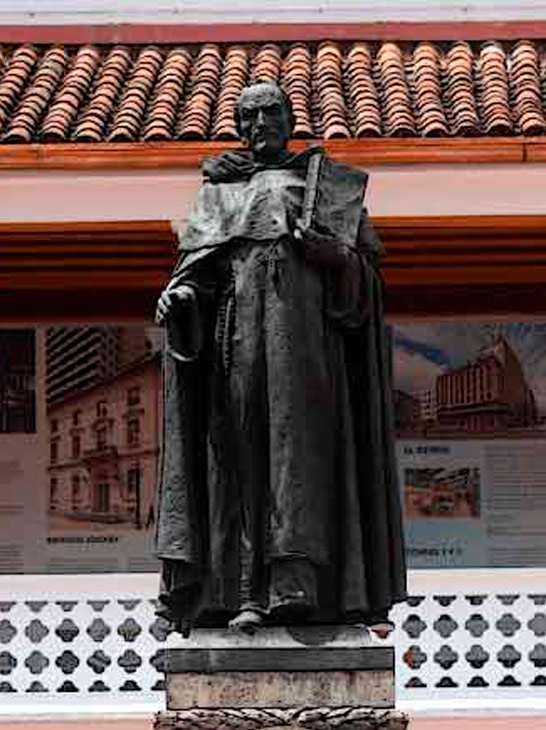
103	388
17	381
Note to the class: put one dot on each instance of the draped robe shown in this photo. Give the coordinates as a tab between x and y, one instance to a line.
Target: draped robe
278	483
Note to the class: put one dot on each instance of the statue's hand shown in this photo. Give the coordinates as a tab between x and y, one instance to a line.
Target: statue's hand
171	300
321	249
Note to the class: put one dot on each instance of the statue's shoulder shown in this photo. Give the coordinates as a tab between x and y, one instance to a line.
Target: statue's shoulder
231	166
239	165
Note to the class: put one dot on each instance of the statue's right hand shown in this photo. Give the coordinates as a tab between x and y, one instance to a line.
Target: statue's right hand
170	301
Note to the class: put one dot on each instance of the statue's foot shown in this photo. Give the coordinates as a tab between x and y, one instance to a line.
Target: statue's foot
290	612
183	626
248	621
380	625
179	625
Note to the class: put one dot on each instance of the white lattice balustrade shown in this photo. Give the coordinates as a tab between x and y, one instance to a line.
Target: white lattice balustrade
92	643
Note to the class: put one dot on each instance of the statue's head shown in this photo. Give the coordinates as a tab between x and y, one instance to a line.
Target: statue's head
264	119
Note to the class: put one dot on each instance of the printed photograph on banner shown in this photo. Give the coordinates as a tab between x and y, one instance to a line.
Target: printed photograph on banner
477	379
446	499
17	381
103	394
439	492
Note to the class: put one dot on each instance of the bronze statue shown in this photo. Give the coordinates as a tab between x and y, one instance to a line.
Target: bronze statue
278	498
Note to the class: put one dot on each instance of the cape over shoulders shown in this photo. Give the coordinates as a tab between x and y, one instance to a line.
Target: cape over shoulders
239	165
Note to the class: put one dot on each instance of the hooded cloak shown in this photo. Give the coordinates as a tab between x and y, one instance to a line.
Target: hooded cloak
278	482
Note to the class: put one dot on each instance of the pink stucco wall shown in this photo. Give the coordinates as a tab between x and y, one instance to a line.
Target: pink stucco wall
394	190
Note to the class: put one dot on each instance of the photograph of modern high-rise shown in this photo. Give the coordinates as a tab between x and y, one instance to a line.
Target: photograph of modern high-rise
17	381
470	379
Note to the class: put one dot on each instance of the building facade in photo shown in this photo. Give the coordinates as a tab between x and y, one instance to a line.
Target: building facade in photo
104	444
488	394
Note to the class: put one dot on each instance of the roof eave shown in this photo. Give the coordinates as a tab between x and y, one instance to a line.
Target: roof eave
169	33
189	155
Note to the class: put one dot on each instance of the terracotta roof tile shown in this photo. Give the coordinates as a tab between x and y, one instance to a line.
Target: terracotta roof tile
17	72
196	115
460	95
328	80
168	93
129	117
71	95
493	90
234	78
396	103
524	73
296	79
25	122
104	96
427	91
357	89
266	63
362	93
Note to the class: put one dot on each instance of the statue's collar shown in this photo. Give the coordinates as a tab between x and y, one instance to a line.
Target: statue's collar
238	165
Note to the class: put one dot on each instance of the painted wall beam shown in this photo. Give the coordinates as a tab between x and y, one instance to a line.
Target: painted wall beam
451	266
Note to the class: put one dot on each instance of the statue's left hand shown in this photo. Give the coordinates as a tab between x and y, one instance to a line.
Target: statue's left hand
321	249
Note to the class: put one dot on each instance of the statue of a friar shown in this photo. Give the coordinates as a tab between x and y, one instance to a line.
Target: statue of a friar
278	495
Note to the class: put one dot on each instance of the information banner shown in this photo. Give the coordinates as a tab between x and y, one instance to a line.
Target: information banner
470	405
79	436
80	428
22	462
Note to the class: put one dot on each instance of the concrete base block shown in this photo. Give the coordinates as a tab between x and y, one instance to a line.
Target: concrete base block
311	677
282	689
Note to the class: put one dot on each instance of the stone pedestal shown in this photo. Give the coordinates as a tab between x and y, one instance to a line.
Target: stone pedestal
309	677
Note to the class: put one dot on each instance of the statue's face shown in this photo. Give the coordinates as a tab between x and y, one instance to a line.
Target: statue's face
264	121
